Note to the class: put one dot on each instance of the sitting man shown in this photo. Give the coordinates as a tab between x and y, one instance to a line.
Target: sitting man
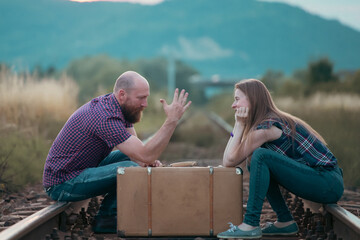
81	162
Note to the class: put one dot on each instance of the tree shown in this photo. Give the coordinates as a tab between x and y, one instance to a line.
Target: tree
96	74
321	71
272	79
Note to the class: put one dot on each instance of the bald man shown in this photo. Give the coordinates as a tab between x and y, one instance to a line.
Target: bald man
81	162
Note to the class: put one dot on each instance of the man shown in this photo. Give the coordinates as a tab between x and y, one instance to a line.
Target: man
81	163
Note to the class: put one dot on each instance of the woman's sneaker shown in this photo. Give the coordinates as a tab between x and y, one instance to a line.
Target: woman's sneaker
235	232
271	229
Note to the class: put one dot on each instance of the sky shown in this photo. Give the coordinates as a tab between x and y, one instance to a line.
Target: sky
149	2
345	11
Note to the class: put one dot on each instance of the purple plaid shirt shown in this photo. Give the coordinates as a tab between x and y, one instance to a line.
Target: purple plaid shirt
305	147
87	138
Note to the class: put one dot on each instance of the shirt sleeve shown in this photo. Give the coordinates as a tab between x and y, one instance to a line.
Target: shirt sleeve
128	125
267	124
113	131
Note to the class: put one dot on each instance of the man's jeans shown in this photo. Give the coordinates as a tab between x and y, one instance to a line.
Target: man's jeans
94	182
269	169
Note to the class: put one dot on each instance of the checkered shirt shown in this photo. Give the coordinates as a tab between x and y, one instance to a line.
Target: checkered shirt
305	147
87	138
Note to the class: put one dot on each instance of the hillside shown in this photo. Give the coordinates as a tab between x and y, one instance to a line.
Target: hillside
227	37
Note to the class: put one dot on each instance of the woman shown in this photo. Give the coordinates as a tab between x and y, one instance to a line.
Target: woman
284	151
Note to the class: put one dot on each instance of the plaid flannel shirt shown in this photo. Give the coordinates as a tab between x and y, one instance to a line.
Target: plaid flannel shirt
304	147
88	136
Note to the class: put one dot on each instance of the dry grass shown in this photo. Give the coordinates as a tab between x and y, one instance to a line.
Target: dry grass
324	101
25	100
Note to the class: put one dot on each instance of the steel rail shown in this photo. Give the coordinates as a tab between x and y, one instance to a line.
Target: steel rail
345	224
36	225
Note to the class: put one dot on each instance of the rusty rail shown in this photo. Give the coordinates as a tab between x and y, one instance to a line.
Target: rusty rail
36	225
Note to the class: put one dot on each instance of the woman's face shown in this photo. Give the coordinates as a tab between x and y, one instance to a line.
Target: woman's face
240	100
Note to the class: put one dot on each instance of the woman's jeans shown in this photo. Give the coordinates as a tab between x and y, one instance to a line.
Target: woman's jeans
93	182
270	169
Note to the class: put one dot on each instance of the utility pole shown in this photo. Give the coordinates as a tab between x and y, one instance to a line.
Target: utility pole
171	76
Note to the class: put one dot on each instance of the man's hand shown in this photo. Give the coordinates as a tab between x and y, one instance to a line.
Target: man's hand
157	163
176	109
147	153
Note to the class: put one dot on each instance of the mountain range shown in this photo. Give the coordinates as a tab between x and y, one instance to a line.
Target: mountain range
231	38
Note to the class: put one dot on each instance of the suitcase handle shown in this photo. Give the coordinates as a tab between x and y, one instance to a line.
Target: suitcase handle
184	164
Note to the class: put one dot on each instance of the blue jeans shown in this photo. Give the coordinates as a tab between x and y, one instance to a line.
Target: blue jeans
270	169
93	182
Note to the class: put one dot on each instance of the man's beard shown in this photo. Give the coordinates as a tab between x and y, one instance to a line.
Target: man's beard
131	114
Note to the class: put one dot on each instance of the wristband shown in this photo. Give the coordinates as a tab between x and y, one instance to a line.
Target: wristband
231	134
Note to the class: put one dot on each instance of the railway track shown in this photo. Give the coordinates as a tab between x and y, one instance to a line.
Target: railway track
45	219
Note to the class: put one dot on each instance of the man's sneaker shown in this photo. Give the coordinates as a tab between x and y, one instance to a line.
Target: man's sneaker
235	232
271	229
105	224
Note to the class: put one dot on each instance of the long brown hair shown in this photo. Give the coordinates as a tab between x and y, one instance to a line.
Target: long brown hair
262	107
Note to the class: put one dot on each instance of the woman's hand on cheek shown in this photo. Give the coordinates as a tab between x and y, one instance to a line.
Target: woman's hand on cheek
241	114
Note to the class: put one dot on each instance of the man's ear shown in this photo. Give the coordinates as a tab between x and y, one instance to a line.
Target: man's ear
122	92
122	95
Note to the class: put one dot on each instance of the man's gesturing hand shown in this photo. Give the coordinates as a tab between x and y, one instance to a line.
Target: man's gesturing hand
176	109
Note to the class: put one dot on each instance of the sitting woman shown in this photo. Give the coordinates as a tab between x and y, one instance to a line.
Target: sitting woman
284	151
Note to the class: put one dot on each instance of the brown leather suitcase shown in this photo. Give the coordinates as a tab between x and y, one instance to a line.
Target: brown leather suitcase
178	201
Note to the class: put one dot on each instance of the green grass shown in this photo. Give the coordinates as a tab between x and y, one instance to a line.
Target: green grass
22	158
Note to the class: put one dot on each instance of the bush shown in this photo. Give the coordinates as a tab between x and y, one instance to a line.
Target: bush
22	158
96	75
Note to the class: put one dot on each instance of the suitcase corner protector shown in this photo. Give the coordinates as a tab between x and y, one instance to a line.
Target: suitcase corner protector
121	170
121	233
239	171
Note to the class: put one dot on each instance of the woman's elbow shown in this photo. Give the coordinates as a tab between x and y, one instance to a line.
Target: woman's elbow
227	164
231	160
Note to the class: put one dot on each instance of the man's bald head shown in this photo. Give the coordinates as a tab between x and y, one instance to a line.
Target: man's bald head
131	90
128	81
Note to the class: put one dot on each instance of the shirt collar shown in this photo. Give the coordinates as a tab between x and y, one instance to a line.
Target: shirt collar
117	108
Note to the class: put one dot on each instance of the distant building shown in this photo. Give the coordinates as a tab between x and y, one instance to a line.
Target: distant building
215	85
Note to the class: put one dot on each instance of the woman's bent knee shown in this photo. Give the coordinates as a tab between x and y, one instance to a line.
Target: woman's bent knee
261	154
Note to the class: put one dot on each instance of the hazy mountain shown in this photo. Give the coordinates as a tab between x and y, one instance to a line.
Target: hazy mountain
227	37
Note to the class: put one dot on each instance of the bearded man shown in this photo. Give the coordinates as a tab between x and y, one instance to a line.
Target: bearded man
82	162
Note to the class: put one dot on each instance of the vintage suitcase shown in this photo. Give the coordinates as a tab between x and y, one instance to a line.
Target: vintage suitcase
178	201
